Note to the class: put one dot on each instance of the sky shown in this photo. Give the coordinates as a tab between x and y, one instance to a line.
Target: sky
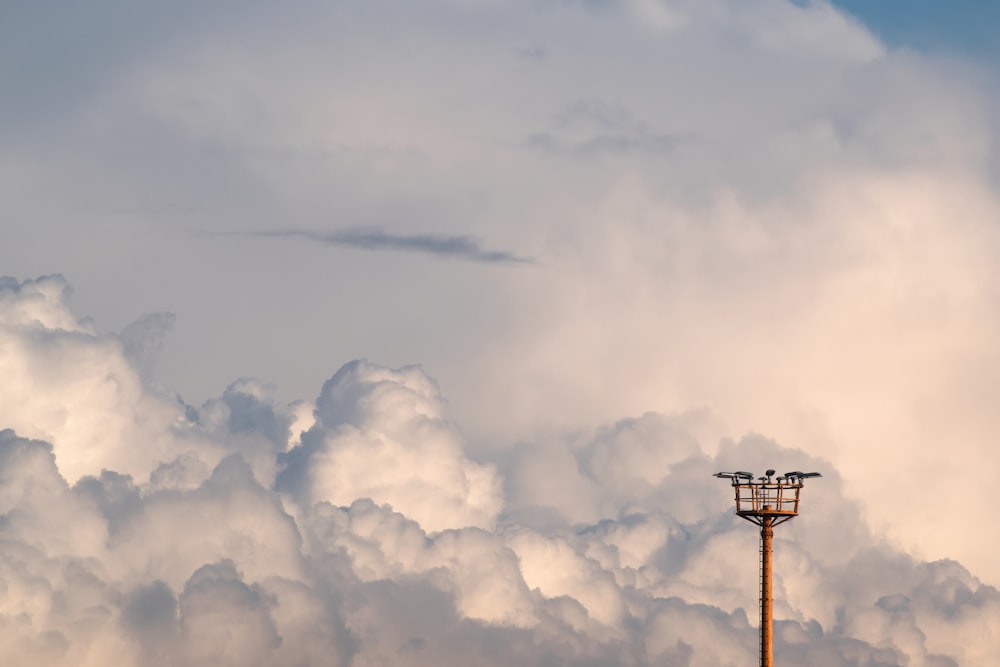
964	28
412	332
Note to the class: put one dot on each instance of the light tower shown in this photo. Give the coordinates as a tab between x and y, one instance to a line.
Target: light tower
767	502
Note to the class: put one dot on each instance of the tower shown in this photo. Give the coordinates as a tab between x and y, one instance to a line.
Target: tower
767	502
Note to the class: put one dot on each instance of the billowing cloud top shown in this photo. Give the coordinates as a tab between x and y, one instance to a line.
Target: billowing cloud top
381	434
138	530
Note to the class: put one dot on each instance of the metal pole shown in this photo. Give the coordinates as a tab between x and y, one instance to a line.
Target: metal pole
766	645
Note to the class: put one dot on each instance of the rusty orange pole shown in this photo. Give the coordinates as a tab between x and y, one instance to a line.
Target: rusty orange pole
767	502
766	643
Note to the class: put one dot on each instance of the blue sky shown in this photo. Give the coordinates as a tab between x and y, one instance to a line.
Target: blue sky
963	27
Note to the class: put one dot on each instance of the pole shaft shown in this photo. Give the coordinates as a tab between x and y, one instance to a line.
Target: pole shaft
766	644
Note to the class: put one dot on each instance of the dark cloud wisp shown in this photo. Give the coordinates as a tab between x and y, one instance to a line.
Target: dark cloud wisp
376	238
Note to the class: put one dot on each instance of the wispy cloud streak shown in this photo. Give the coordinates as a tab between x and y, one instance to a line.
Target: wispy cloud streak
377	239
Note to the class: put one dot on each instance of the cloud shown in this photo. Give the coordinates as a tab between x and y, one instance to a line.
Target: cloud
368	533
380	434
144	338
768	241
595	128
376	239
77	389
532	52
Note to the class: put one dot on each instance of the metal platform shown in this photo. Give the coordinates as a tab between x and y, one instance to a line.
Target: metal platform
775	500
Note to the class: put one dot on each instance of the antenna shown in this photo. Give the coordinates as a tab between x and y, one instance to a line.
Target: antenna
767	504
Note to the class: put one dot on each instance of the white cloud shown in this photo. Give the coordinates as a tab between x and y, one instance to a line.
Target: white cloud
749	217
381	434
77	390
367	559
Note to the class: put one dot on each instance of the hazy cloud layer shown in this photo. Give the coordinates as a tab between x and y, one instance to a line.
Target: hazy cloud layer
247	532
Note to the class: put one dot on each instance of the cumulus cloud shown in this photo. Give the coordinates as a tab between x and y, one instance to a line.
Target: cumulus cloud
143	339
381	434
756	207
258	535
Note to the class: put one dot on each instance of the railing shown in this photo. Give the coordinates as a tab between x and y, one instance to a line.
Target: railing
765	498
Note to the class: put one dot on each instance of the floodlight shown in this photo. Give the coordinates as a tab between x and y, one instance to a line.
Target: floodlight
767	504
